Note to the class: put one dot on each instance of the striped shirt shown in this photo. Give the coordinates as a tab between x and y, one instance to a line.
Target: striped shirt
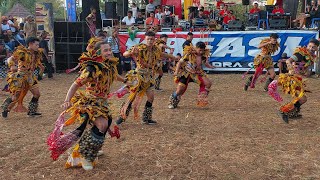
114	44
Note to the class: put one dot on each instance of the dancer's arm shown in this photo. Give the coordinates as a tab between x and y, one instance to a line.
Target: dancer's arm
86	76
208	65
261	45
131	52
121	79
177	68
170	56
290	65
72	90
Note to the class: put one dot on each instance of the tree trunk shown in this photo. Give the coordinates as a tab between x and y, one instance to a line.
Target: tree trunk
291	6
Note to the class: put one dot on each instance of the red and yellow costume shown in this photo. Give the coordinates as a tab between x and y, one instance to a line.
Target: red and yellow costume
261	61
142	80
97	75
303	60
23	80
292	83
191	72
264	57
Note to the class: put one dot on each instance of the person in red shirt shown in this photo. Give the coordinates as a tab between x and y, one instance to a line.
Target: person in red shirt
255	9
229	18
220	3
224	12
277	10
152	21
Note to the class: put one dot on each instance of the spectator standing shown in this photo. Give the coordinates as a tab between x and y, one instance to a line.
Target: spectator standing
30	27
150	8
134	10
92	21
158	9
255	9
115	47
129	20
220	3
45	59
158	13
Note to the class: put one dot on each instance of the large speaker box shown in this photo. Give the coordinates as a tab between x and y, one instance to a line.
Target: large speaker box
70	41
278	24
235	25
86	5
122	8
245	2
111	10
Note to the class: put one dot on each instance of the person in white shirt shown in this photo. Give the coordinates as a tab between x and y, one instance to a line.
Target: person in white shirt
150	8
134	10
129	20
158	12
14	26
166	11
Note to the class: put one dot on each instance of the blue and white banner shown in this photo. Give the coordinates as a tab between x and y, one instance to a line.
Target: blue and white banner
234	50
71	10
231	50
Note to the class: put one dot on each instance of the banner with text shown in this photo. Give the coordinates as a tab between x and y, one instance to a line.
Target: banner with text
231	50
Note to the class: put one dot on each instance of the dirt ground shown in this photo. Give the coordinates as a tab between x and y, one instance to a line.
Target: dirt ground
238	136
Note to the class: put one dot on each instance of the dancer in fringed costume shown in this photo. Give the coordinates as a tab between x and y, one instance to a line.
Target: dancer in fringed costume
189	69
161	43
88	107
292	83
24	80
264	60
142	78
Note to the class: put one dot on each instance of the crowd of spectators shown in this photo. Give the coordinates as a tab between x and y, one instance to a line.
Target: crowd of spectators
217	17
14	34
152	16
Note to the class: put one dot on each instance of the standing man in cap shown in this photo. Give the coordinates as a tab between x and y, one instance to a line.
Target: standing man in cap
45	57
30	27
167	12
150	8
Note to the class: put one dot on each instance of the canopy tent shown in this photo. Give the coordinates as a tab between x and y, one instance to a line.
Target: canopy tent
18	11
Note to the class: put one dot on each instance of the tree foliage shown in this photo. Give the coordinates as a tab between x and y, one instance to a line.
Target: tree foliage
58	9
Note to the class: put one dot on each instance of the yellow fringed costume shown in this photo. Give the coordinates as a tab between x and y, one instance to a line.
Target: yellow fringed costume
23	80
295	86
97	75
160	63
93	100
142	78
191	71
264	57
189	64
304	60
